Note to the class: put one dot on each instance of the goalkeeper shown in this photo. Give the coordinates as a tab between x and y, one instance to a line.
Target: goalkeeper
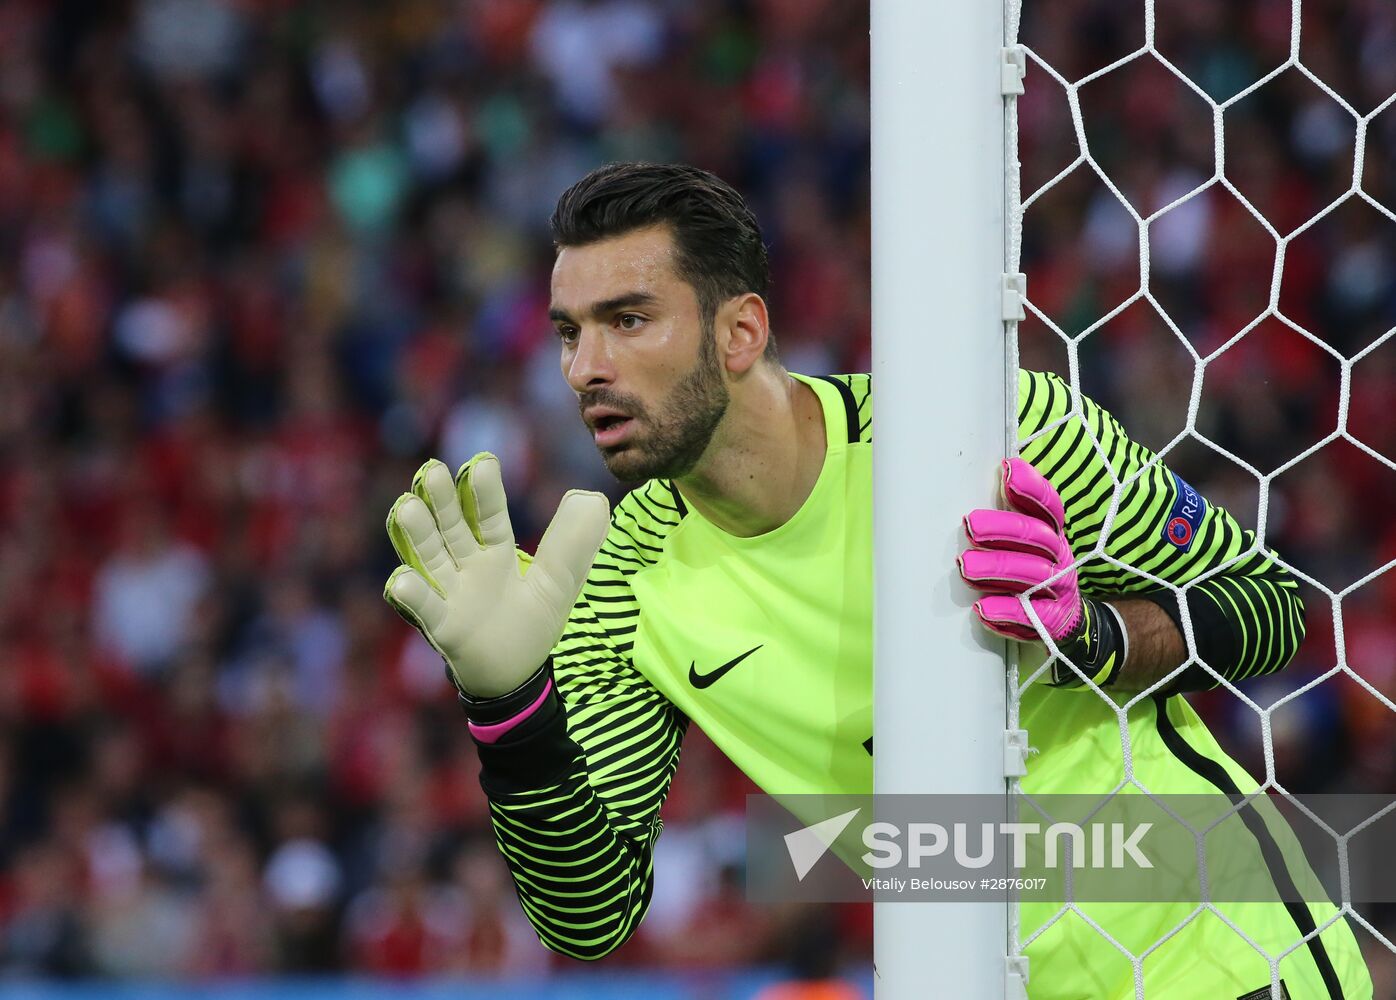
733	589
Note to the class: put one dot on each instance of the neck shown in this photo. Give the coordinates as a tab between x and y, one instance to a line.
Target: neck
764	459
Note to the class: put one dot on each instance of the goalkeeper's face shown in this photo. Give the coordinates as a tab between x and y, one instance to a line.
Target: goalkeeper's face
639	354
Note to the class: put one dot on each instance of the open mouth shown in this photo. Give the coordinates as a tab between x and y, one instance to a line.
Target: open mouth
610	430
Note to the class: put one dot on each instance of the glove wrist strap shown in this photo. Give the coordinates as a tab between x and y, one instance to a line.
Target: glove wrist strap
1098	648
493	732
490	719
521	737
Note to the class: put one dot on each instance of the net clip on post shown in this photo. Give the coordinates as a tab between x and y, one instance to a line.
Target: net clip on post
1015	979
1015	293
1013	67
1015	753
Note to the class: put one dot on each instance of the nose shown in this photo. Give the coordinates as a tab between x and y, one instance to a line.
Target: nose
589	365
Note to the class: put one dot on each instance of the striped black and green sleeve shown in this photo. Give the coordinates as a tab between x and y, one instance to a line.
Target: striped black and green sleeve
575	792
1246	612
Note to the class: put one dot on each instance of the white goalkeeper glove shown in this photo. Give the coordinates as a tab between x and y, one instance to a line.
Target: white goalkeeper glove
491	615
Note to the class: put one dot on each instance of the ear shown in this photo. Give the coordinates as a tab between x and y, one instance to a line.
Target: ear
746	325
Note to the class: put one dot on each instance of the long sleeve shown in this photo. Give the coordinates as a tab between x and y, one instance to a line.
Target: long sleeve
1246	612
575	802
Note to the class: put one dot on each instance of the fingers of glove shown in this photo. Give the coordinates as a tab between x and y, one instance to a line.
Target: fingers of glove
480	485
434	486
1012	531
397	534
1006	616
411	596
466	497
570	544
1006	572
1027	490
418	540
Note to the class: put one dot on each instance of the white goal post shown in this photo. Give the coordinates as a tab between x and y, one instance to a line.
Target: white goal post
947	213
940	366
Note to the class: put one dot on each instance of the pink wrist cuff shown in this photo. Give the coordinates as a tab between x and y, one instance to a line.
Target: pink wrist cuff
492	733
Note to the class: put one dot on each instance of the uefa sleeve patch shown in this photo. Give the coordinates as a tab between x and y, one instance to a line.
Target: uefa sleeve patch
1185	519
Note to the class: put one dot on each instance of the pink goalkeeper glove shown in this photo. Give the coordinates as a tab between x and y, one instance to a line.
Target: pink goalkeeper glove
1017	549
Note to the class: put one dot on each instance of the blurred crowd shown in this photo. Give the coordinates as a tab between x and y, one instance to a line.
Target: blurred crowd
259	258
1296	379
1272	397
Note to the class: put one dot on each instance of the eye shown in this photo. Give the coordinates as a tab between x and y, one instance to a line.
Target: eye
630	321
567	334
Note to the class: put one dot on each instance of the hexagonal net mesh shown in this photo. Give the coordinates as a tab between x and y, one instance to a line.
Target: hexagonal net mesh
1205	211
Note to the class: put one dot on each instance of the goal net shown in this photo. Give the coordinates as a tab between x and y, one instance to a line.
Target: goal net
1203	201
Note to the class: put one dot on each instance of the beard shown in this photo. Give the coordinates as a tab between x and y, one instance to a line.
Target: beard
668	442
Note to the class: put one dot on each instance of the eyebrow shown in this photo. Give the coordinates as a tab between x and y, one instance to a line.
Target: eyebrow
606	306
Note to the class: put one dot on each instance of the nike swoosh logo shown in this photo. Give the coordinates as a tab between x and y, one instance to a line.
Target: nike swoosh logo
701	681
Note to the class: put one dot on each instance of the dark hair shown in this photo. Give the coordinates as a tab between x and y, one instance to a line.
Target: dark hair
717	241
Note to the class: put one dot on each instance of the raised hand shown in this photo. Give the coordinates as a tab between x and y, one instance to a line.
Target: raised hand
493	617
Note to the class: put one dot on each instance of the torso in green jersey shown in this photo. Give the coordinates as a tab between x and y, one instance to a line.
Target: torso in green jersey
766	644
792	608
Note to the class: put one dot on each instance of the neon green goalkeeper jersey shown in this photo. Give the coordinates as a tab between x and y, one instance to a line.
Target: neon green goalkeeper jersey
766	644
